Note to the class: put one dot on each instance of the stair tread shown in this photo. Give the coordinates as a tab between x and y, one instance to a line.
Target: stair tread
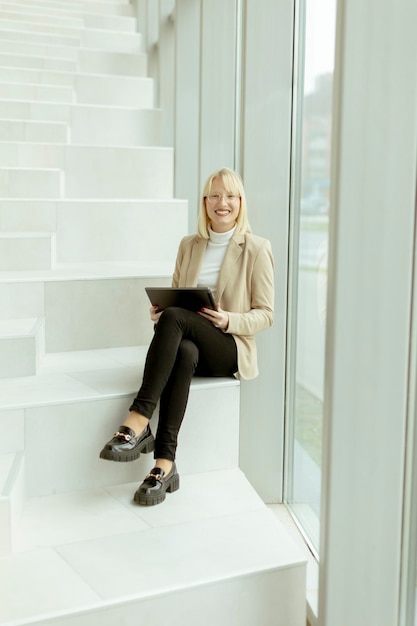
87	360
90	271
85	375
68	8
44	28
74	15
8	34
24	26
31	168
18	327
4	56
25	235
75	105
105	202
86	147
32	15
135	80
60	57
16	120
213	529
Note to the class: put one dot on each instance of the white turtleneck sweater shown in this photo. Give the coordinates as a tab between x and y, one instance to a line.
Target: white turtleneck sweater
213	258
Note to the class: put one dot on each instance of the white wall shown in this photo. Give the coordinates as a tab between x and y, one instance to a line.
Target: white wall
187	105
266	129
205	97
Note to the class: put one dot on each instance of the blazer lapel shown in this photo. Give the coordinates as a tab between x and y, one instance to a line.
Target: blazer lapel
233	252
197	254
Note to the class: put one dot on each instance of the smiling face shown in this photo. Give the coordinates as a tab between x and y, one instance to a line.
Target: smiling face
222	207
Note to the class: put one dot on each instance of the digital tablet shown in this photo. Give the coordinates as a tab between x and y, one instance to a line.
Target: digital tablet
191	298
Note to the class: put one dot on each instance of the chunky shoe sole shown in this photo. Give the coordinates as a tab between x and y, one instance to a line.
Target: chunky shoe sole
146	446
169	486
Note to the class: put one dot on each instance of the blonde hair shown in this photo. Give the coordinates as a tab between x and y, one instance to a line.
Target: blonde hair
233	184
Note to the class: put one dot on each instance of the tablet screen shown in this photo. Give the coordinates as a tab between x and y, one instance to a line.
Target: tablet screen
191	298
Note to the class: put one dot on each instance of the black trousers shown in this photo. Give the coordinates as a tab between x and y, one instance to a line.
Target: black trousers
184	344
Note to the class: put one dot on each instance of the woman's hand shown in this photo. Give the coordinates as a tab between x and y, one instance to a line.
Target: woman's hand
219	318
154	315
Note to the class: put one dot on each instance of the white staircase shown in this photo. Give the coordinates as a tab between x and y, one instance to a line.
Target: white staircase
87	220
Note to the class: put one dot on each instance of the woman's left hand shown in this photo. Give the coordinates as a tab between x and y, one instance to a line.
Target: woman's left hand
219	318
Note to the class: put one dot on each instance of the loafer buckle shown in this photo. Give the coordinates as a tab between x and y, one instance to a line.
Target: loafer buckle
124	436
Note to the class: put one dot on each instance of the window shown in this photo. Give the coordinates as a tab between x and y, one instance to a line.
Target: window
312	122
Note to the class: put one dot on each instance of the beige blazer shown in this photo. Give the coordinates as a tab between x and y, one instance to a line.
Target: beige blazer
245	289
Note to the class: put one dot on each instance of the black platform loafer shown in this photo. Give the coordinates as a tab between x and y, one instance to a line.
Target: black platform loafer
126	446
156	485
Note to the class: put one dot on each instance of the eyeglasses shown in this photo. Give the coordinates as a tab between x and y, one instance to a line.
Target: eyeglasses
214	198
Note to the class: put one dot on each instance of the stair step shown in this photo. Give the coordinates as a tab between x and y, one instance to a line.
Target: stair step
67	58
68	78
35	60
209	545
26	251
93	125
92	231
31	182
39	28
75	19
121	23
75	463
12	428
91	39
66	7
19	36
111	41
105	89
33	76
66	517
23	130
115	40
114	90
46	93
42	52
92	216
97	171
22	14
28	215
22	343
106	62
97	387
69	298
107	126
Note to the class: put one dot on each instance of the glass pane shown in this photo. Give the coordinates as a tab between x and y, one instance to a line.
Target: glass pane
310	211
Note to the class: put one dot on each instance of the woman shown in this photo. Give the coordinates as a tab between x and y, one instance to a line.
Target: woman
238	266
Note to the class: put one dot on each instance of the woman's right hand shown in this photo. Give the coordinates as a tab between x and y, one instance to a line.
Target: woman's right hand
154	315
